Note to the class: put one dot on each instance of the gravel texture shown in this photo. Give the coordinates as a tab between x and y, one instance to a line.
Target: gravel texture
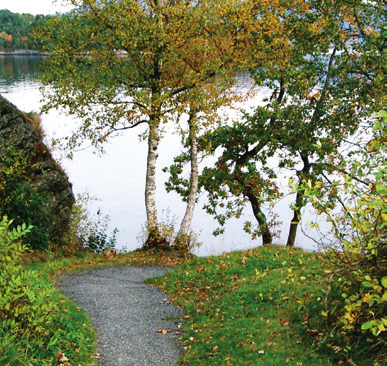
126	314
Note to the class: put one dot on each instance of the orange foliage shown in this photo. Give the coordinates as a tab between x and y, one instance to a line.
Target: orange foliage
7	37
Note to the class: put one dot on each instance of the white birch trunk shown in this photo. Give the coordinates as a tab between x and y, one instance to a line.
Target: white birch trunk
150	183
193	188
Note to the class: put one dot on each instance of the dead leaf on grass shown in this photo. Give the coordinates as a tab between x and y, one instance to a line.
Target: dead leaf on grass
60	357
284	321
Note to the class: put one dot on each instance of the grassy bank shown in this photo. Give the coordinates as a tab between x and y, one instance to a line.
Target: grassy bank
253	308
256	307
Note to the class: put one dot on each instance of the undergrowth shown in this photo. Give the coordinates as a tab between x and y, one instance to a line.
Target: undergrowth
258	307
38	325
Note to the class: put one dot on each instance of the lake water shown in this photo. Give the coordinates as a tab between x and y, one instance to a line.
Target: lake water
117	178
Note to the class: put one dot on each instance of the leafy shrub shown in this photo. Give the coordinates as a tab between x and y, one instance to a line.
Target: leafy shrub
93	232
23	310
12	278
34	320
355	300
160	236
98	238
20	202
185	243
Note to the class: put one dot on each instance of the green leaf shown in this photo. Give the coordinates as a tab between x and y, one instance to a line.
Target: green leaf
369	325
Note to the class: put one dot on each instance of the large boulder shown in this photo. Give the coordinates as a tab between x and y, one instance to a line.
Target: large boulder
44	175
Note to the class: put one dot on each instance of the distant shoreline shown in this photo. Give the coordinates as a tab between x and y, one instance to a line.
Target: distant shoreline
21	53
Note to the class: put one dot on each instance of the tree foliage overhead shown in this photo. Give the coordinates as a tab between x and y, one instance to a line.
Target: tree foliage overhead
138	58
327	84
121	64
117	65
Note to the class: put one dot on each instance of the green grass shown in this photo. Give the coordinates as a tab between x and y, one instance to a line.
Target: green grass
247	308
256	307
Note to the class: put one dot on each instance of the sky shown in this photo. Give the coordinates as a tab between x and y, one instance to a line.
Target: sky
34	6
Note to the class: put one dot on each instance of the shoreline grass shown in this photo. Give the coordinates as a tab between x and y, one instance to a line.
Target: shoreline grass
246	308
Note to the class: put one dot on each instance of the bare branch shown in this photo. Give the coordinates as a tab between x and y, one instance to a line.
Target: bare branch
127	127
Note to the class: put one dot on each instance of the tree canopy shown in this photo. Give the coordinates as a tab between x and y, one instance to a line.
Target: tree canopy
326	82
121	64
117	65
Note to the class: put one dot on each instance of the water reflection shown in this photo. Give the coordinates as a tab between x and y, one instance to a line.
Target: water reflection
18	69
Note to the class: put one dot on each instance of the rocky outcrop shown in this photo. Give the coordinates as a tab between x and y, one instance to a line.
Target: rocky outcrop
44	175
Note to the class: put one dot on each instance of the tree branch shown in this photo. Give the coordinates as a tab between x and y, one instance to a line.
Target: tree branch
338	198
127	127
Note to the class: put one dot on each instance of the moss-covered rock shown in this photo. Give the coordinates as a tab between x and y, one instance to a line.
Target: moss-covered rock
42	174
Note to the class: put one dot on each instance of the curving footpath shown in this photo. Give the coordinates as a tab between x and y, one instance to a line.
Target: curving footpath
127	314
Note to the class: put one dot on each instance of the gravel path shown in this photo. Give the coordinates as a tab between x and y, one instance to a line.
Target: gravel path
126	314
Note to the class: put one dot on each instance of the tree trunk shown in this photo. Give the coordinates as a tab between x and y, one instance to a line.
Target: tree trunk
267	238
154	237
299	202
306	168
295	221
182	239
150	184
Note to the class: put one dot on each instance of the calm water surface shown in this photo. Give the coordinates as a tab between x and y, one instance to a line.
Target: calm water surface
117	178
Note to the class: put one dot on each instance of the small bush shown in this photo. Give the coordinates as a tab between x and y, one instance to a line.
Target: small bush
24	311
163	236
92	232
354	304
98	238
35	320
20	202
160	235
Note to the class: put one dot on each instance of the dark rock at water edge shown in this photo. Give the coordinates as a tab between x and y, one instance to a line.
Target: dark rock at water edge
45	176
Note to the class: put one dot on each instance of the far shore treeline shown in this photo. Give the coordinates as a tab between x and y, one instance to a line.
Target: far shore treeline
15	31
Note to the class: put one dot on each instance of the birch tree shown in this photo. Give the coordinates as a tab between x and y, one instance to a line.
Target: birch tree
121	64
202	114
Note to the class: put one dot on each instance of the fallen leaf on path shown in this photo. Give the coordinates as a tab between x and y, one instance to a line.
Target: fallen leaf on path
163	331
